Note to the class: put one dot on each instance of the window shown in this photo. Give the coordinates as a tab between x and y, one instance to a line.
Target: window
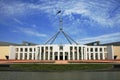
16	49
79	49
100	49
16	56
96	56
34	49
75	49
25	49
30	49
71	48
87	49
51	48
21	55
91	56
61	47
30	56
101	56
91	49
105	49
42	49
25	56
46	48
96	49
21	49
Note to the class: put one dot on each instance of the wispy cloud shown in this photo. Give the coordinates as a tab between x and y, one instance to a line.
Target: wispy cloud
30	32
103	12
103	38
18	21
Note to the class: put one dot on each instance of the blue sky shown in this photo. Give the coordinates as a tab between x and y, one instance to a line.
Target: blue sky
36	21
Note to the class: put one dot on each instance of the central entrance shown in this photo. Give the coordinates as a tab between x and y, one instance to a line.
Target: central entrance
61	55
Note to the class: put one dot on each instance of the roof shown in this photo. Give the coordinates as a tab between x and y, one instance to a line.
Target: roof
24	43
97	43
113	43
8	44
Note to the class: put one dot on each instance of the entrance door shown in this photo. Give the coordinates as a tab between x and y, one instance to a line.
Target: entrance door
61	55
56	55
66	58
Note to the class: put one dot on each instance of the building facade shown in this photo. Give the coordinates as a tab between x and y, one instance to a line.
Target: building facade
61	52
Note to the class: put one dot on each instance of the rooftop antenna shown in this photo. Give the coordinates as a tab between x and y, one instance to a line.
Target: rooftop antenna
52	39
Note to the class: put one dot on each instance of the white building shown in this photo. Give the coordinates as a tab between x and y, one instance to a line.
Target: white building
61	52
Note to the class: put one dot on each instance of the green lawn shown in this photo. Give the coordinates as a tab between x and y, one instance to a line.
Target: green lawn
60	67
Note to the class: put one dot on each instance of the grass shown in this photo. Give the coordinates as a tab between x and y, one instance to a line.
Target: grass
60	67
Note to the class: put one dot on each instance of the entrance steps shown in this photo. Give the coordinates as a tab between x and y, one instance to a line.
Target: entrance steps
61	62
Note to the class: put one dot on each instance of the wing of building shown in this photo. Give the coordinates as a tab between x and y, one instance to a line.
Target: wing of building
29	51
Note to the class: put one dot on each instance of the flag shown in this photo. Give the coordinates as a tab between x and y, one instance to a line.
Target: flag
58	12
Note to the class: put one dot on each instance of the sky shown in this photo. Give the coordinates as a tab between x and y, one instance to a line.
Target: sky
36	20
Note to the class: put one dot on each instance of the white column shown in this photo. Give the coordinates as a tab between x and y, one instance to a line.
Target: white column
78	56
93	53
85	53
103	54
98	53
81	52
69	55
89	54
23	54
58	55
53	56
27	53
40	53
48	53
18	53
63	55
36	53
73	53
44	54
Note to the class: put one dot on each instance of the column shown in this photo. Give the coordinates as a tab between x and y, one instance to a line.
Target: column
18	53
27	53
39	52
63	55
103	53
94	53
69	55
82	53
73	51
58	55
89	54
44	53
48	53
53	55
98	53
36	53
78	56
85	53
23	54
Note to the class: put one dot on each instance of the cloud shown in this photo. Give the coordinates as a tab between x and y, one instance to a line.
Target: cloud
31	32
18	21
103	38
103	12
